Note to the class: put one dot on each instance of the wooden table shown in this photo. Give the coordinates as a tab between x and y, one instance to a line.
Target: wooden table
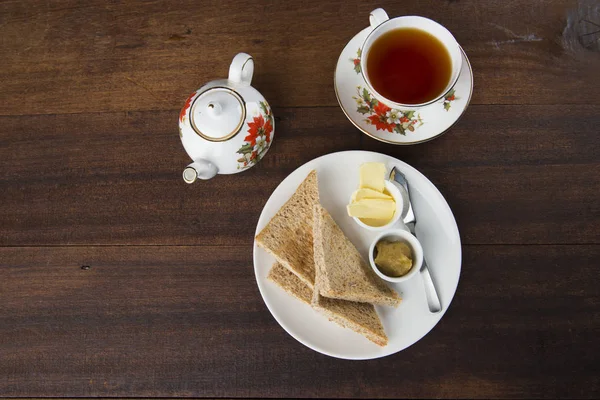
118	279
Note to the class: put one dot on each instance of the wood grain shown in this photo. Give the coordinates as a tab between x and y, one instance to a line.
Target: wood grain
72	57
119	280
189	321
115	178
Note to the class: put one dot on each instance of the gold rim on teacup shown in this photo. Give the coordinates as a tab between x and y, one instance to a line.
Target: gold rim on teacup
381	23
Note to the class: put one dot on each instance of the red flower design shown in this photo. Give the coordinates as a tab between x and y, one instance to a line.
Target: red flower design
186	106
257	141
381	109
450	98
258	127
268	130
380	123
384	118
379	119
253	128
356	61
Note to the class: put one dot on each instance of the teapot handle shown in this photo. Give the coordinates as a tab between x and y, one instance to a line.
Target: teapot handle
377	17
241	69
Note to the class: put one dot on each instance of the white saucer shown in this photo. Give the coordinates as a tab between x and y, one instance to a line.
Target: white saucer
413	127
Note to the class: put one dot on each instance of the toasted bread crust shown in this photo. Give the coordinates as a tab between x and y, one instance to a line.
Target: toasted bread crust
288	235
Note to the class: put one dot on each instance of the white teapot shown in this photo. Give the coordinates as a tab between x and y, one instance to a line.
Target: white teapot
226	126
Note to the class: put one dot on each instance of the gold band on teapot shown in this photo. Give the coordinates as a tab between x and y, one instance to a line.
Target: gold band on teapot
235	131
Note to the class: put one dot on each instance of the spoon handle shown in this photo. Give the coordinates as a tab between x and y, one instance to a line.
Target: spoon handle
433	301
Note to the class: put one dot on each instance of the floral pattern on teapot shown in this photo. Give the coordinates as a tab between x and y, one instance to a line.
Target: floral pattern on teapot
186	106
258	139
226	126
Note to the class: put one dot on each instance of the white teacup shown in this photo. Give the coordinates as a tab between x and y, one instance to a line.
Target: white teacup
381	24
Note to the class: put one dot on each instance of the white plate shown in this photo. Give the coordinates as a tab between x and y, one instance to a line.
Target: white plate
418	126
338	175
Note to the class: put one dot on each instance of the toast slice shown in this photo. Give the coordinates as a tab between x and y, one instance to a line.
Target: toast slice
288	236
360	317
289	282
342	272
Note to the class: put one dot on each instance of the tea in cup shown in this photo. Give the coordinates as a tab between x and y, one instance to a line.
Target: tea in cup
410	61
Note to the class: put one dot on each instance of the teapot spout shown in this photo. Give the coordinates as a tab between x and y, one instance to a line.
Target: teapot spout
199	169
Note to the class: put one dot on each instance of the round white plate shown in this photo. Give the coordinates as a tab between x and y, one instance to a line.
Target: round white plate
338	176
409	127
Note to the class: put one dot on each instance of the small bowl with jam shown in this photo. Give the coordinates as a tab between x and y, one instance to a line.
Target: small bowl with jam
396	255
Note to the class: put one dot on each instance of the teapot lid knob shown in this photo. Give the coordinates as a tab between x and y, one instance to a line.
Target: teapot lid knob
218	114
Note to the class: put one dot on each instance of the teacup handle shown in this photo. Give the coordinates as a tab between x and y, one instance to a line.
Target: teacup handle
241	69
378	17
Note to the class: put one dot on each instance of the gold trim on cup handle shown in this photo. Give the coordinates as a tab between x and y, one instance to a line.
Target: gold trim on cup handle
377	17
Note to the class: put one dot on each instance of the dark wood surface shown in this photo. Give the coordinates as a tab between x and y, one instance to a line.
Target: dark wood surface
166	303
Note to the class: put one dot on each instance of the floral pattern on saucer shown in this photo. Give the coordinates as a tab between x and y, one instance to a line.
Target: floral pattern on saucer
450	97
356	61
432	120
383	117
257	142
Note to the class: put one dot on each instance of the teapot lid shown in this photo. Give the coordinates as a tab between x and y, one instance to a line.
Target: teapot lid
218	114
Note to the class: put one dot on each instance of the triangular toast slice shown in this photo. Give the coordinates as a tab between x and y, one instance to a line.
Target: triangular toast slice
360	317
343	272
288	235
